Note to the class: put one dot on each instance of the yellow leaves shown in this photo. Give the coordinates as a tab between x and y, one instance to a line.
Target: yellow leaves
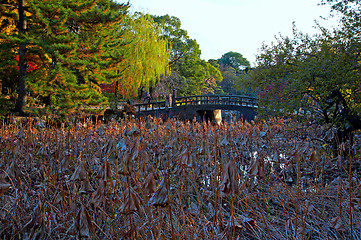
10	23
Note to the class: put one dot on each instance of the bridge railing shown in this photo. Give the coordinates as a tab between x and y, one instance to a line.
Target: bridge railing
150	106
235	100
217	100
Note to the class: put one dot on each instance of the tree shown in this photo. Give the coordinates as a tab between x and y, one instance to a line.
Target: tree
234	60
233	67
13	14
145	52
71	40
190	75
312	77
8	26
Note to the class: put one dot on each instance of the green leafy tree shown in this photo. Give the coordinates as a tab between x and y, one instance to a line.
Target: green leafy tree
72	40
13	24
146	55
190	75
233	67
8	72
308	76
234	60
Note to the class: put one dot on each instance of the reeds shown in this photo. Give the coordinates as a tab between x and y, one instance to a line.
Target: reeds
155	179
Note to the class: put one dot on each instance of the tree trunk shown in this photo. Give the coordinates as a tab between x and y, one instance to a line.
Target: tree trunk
22	64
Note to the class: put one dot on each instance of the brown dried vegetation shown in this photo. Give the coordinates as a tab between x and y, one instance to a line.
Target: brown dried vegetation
149	179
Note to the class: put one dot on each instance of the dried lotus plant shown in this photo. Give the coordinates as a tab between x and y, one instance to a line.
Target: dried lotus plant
130	203
273	179
230	179
160	197
149	185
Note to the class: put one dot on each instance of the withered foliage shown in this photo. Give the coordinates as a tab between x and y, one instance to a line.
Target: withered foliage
155	179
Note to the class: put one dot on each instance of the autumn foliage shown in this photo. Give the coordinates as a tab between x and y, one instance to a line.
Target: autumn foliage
155	179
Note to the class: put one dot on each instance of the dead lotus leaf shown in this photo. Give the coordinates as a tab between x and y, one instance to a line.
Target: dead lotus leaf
20	134
80	173
160	197
313	157
130	203
247	222
38	217
193	209
98	197
86	187
133	132
257	168
230	179
104	171
83	223
40	124
100	131
14	170
4	187
184	158
149	184
337	224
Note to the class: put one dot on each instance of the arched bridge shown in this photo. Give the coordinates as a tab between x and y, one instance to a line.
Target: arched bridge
200	107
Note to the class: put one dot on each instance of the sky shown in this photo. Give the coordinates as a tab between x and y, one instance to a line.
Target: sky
220	26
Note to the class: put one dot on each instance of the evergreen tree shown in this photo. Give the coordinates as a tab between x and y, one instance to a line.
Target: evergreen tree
189	73
72	39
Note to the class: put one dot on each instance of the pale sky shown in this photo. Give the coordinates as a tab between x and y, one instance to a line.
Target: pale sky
220	26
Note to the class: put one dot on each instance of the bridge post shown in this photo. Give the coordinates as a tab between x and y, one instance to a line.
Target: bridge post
173	99
217	114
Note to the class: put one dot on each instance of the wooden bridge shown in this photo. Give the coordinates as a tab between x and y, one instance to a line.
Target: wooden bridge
199	107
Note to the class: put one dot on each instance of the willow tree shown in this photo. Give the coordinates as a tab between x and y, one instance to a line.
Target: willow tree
145	53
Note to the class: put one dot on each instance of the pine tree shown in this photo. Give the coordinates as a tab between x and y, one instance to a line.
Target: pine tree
71	39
